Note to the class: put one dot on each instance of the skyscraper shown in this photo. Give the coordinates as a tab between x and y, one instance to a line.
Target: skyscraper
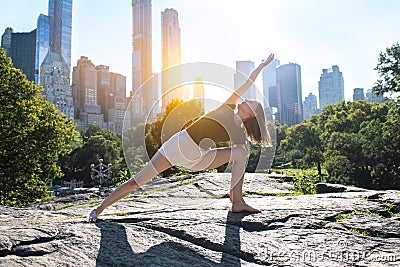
54	44
199	91
111	96
48	49
243	71
60	13
358	94
54	77
371	97
171	56
103	88
42	43
21	47
269	82
142	53
84	91
53	34
290	106
6	40
330	86
309	106
116	104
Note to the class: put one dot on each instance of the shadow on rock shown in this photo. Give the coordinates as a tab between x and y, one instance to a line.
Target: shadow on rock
115	249
232	252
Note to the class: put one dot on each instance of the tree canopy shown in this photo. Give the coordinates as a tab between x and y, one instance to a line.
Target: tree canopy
358	143
97	144
33	134
388	68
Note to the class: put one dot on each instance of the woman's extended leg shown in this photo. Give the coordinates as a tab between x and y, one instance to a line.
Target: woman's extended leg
157	164
238	155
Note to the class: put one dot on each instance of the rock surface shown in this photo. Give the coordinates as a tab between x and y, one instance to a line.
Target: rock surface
185	221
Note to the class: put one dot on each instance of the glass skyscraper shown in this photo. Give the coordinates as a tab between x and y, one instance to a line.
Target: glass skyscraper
330	87
60	14
358	94
290	105
42	43
310	106
54	33
20	47
142	55
171	56
269	82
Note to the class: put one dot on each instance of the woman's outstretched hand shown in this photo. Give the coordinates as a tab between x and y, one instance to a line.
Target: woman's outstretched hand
235	97
269	59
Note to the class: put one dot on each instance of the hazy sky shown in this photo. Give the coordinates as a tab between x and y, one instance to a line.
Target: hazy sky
315	34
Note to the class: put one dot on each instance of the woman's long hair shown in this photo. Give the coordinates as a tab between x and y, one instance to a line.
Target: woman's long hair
256	127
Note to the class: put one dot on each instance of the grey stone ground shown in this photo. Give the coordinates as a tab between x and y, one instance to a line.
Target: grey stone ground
186	221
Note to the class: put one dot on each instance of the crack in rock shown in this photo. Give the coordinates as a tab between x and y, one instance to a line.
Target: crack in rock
36	243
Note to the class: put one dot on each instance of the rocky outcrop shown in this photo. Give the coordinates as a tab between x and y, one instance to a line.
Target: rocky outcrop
185	221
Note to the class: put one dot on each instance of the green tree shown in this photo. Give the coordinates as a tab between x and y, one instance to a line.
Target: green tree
33	135
381	147
97	144
361	143
280	158
153	136
340	125
388	68
142	141
305	138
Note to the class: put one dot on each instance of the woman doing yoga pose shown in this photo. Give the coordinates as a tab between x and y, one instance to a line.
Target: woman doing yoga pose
195	147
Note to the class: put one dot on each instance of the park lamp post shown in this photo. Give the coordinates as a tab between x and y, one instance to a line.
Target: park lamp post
101	172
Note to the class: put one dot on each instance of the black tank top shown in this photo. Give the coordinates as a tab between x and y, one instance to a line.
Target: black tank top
217	126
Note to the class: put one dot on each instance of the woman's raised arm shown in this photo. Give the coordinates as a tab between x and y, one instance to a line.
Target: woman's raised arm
234	98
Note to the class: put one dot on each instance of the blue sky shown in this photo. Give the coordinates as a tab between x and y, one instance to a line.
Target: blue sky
315	34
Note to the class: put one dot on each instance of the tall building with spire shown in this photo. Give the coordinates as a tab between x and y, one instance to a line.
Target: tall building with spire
142	55
330	86
44	54
171	57
54	77
54	72
53	34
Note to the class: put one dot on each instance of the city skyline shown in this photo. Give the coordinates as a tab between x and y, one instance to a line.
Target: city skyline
313	34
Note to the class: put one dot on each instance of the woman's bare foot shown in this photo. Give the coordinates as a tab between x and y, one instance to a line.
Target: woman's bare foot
93	216
242	206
